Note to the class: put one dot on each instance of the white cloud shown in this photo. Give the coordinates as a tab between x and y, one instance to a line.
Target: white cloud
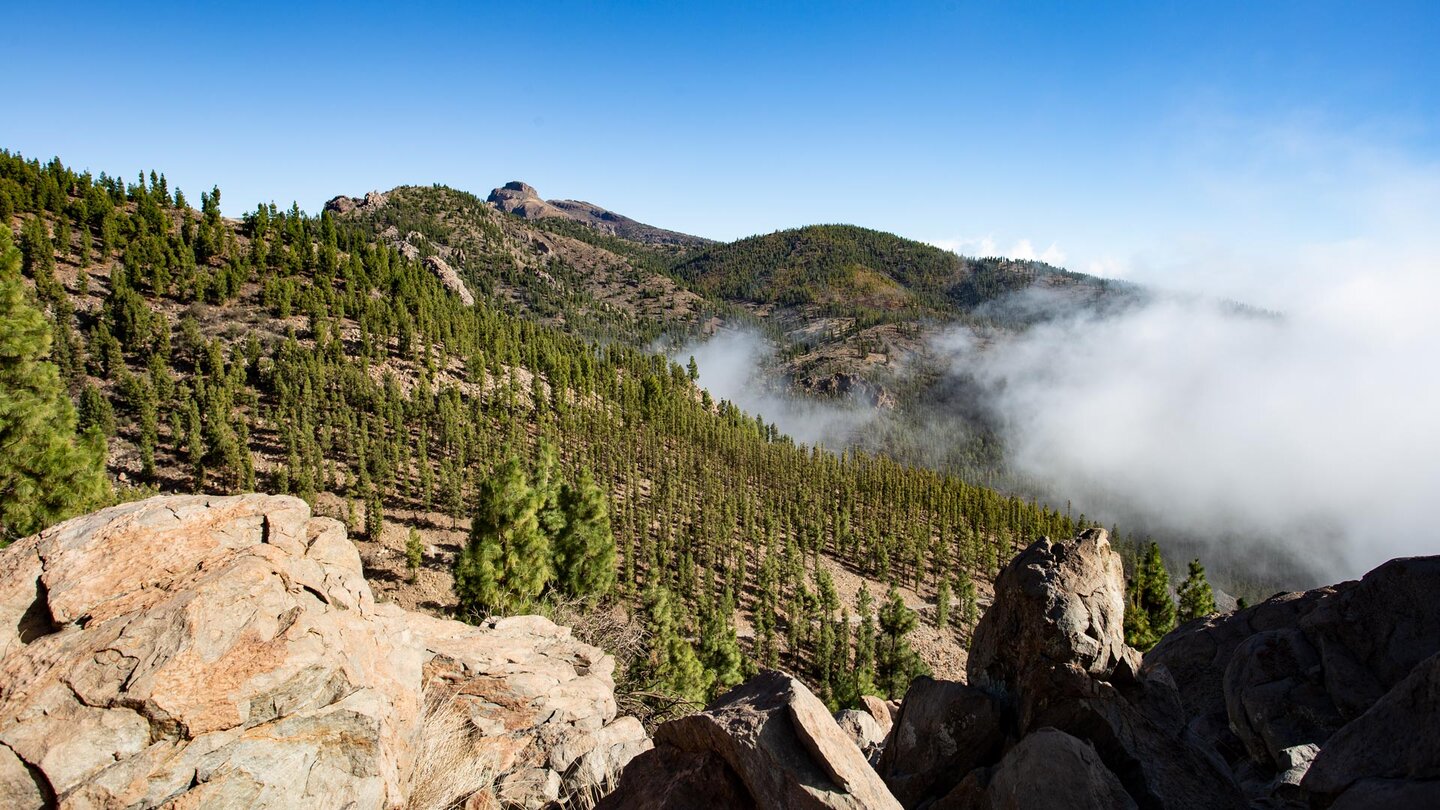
1316	430
732	364
982	246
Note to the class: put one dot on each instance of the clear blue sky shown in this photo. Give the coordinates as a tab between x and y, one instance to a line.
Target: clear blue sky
1113	132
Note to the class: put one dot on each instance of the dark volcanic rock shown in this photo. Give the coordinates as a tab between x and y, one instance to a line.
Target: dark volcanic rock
1371	634
1070	777
1197	654
1274	699
778	740
943	731
1398	738
1264	682
669	778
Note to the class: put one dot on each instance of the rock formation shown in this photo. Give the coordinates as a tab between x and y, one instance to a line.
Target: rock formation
206	651
1323	699
1315	683
1049	658
449	278
524	201
767	743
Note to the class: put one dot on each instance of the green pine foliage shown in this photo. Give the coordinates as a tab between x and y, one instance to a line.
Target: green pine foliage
507	562
1197	599
719	648
584	546
942	605
896	664
48	471
672	667
1149	608
969	605
302	354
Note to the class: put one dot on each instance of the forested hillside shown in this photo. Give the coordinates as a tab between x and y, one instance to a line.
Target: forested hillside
285	352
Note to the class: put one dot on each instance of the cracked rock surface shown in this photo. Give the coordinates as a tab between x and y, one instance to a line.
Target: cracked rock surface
227	651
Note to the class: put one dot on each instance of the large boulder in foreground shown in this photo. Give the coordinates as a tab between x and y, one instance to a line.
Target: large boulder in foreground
1059	604
943	731
1048	770
1050	658
768	743
1396	741
209	651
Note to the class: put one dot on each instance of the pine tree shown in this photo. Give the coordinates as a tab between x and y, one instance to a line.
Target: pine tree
1196	597
896	664
1149	609
674	667
585	545
506	563
865	644
95	411
548	487
942	605
969	605
719	648
374	517
47	471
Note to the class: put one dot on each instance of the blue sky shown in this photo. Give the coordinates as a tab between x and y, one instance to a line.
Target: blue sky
1134	139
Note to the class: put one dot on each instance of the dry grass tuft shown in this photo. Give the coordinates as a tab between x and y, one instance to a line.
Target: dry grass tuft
607	625
447	770
588	797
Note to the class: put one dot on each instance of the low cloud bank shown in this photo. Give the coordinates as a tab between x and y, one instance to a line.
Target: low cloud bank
733	366
1316	430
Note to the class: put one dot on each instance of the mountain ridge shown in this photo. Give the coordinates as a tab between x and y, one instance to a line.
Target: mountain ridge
522	200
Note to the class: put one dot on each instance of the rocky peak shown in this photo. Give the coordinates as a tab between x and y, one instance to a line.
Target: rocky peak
343	205
206	651
1058	604
522	200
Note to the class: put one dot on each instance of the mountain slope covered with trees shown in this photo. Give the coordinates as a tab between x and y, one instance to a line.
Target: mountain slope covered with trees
314	355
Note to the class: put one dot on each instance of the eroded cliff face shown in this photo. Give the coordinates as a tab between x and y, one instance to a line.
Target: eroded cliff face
208	651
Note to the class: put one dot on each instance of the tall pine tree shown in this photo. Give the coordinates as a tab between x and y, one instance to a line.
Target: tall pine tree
1149	609
584	547
47	471
506	564
896	664
1196	597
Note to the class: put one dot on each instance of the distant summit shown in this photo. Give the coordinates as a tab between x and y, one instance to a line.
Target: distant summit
523	201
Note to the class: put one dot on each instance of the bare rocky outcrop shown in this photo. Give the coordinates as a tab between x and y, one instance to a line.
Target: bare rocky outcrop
767	743
522	200
1327	699
343	205
1050	655
1059	604
449	278
208	651
1279	688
